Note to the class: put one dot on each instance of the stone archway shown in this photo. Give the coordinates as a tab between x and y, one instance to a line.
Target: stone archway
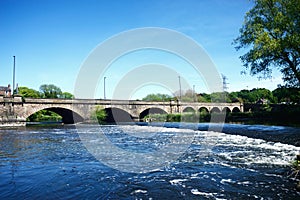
226	110
215	110
203	110
236	109
188	110
151	111
68	116
115	115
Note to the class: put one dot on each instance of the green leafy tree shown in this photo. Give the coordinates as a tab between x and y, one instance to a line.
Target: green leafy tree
221	97
234	97
203	97
67	95
246	96
271	35
287	95
99	114
50	91
251	96
157	97
27	92
262	93
188	96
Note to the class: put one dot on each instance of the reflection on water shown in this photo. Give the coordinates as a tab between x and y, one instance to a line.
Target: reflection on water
49	163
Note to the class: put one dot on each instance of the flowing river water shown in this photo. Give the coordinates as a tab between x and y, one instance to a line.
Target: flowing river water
54	163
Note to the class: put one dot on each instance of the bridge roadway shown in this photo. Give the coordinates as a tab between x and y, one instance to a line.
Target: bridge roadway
15	111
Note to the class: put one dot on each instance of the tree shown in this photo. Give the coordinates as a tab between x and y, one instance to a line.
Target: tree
287	95
157	97
251	96
50	91
27	92
246	96
67	95
188	96
99	114
203	97
262	93
234	97
220	97
271	32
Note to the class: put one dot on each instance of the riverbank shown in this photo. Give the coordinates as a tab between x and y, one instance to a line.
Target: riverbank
277	118
265	118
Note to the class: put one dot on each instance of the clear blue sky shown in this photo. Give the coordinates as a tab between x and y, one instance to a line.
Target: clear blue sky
52	38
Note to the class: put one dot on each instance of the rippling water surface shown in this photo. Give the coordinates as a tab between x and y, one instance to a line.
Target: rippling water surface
53	163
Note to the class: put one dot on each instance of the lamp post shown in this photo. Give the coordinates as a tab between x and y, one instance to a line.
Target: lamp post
193	92
14	75
104	87
179	88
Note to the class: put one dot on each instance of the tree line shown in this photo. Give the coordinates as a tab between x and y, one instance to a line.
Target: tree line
281	94
45	91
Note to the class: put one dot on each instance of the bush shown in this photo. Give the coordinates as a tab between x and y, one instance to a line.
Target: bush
99	114
177	117
44	115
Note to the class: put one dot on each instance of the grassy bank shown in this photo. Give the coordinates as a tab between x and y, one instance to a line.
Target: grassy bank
288	118
178	117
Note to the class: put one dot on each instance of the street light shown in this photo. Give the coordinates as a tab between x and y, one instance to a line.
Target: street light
193	92
104	88
179	88
14	75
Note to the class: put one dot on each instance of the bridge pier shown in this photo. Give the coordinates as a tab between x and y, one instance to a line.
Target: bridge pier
9	107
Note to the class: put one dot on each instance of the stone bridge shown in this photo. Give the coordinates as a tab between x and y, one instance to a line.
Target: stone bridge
15	111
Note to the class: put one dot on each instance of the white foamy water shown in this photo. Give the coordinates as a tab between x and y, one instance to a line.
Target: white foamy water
234	148
247	150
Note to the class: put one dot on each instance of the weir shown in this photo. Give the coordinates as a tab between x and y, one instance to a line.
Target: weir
15	110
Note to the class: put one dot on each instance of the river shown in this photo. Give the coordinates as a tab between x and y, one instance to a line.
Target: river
57	163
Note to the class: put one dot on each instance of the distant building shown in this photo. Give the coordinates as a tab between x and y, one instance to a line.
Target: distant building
2	90
5	91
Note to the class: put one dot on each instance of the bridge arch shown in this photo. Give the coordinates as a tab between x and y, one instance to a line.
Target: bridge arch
236	109
149	111
226	110
203	110
189	110
215	110
115	115
68	116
